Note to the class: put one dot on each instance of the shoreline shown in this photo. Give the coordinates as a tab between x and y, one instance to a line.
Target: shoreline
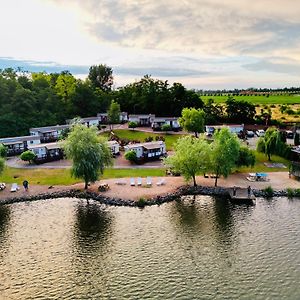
157	200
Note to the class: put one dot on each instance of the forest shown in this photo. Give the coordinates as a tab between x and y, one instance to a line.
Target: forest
41	99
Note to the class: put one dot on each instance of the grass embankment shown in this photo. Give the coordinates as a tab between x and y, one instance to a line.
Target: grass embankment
63	176
135	135
271	99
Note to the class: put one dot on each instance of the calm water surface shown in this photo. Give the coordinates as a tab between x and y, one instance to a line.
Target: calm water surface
201	249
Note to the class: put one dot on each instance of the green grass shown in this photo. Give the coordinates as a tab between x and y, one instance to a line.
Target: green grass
272	99
131	135
260	167
63	177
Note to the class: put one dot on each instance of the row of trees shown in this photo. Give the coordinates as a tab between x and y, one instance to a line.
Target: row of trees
195	156
41	99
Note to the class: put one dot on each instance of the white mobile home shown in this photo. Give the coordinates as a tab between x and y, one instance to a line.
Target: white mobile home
90	121
114	147
47	152
233	128
160	121
142	120
49	133
148	151
17	145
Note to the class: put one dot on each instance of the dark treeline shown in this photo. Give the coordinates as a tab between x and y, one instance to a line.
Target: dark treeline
41	99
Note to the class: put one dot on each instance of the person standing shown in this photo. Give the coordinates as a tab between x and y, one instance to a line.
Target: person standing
25	185
234	191
249	191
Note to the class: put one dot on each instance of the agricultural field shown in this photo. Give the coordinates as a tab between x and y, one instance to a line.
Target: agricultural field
259	99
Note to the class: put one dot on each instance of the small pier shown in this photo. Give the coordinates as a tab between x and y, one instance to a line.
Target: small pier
241	195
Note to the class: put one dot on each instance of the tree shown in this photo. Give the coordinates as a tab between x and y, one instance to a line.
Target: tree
191	157
132	124
90	154
113	113
28	156
224	153
101	77
3	150
272	143
166	127
131	156
192	120
246	157
2	164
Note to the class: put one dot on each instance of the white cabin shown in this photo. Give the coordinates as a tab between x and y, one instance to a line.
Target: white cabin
158	122
114	147
49	133
142	120
47	152
147	151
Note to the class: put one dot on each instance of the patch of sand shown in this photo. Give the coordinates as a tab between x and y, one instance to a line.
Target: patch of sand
278	181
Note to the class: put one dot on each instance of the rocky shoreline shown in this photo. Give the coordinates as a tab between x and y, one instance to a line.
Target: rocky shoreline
181	191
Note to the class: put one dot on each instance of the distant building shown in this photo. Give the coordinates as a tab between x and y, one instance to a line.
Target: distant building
90	121
158	122
114	147
48	134
148	151
47	152
17	145
233	128
142	120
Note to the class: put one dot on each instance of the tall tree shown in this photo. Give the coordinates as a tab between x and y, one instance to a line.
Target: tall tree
113	113
101	76
2	165
191	157
224	153
192	120
90	154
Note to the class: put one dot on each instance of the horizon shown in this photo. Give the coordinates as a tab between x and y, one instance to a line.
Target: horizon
204	46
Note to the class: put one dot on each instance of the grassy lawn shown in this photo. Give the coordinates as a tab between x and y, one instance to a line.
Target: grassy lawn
272	99
260	167
63	177
131	135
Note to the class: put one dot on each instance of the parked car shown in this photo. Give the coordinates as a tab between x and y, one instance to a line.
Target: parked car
250	133
260	132
289	134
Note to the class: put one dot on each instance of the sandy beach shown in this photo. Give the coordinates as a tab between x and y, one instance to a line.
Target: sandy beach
278	181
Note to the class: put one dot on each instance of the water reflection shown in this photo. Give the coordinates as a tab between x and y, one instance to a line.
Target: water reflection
92	225
4	222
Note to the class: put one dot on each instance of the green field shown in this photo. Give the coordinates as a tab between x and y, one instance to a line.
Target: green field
255	99
135	135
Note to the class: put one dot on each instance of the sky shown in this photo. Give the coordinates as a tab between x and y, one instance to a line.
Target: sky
204	44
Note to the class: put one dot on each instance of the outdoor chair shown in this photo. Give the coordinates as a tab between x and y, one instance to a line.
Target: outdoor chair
139	181
161	181
14	187
2	186
120	182
149	181
132	182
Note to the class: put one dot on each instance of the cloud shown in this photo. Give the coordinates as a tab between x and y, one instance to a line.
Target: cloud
207	27
283	66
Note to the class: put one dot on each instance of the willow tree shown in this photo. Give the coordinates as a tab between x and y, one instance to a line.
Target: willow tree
191	157
224	153
90	154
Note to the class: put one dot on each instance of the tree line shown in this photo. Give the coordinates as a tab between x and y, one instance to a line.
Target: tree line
42	99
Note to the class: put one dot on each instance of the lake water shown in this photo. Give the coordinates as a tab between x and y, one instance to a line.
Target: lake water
199	248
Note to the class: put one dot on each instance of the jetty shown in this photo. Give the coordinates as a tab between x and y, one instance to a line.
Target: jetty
242	195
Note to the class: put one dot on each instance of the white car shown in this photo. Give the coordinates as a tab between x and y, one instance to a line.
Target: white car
260	132
250	133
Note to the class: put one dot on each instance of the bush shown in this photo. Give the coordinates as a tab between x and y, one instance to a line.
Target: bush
148	139
132	124
290	193
269	191
166	127
131	156
28	156
3	150
141	202
159	138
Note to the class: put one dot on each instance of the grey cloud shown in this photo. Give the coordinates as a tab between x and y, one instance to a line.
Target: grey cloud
269	66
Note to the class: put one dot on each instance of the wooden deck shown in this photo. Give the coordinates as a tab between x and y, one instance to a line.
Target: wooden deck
241	196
